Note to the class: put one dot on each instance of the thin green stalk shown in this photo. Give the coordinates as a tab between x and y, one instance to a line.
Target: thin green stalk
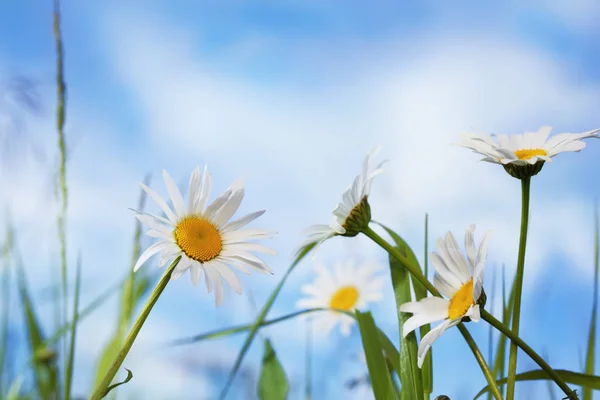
416	272
490	332
240	328
530	352
71	357
427	368
591	347
60	123
6	251
260	318
481	361
112	371
512	361
308	361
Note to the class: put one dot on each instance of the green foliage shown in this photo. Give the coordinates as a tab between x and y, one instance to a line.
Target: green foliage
261	317
133	289
71	357
111	387
378	371
44	364
574	378
273	384
591	345
410	375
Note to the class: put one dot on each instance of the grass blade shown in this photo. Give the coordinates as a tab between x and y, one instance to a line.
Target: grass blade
491	328
71	356
410	375
591	346
273	384
574	378
260	318
6	254
113	386
427	369
133	290
308	362
380	376
44	366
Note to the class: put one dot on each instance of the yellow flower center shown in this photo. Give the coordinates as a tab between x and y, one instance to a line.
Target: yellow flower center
526	154
344	298
461	301
198	239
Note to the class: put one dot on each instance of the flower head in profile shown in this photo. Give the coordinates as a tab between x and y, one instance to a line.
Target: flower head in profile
353	213
202	234
524	155
345	288
458	278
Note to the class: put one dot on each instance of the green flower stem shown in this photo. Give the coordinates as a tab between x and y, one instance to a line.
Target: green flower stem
241	328
530	352
112	371
416	272
512	361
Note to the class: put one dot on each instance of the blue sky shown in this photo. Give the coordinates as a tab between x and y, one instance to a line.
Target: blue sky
291	96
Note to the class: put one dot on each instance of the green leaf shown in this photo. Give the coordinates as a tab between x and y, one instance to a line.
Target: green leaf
591	345
15	388
135	286
574	378
421	292
499	369
111	387
273	384
380	376
44	366
6	278
410	375
71	357
261	317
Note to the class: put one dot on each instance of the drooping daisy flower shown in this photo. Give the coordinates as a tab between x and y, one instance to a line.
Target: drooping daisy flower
459	279
353	213
345	288
202	235
524	155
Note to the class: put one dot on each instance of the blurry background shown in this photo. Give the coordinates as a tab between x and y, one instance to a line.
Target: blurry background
291	95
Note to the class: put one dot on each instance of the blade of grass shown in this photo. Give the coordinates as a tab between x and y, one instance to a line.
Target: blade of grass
44	366
260	318
574	378
490	328
410	375
499	369
380	376
130	297
591	346
427	369
71	357
6	254
308	361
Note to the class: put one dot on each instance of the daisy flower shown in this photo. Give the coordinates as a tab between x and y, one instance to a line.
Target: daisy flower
352	214
459	279
345	288
203	235
524	155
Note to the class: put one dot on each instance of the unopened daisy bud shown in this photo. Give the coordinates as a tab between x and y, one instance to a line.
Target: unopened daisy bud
524	171
523	155
359	218
352	215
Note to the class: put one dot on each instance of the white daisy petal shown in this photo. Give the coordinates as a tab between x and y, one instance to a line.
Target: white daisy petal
240	223
161	203
174	194
431	337
149	252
